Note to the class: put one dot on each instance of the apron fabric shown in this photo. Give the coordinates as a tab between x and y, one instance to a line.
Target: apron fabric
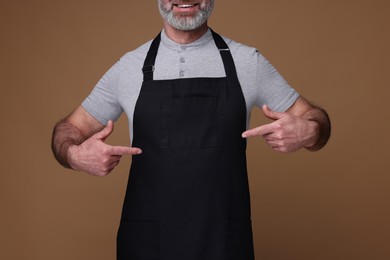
188	195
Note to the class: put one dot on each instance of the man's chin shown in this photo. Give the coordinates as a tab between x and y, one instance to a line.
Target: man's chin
184	23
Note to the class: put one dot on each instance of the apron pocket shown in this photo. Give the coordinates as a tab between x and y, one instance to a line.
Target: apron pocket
188	122
239	241
138	240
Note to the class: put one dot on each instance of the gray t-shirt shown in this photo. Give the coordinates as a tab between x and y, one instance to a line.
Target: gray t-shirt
118	90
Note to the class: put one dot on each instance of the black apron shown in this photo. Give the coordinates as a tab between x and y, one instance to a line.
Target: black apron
188	195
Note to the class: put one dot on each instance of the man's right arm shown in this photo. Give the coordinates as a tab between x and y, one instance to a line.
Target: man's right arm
78	143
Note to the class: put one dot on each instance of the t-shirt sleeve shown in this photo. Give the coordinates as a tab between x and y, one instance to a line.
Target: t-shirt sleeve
102	103
272	89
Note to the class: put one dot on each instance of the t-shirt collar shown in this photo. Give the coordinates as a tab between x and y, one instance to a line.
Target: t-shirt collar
202	41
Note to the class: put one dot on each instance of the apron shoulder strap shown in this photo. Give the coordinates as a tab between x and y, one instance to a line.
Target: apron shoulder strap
227	58
150	59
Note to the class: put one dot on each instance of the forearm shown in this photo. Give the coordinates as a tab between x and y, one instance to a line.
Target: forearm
65	135
323	127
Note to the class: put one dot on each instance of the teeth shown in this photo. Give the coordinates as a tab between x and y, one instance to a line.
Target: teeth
185	6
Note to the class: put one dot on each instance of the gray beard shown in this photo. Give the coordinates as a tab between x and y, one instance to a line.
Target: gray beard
186	23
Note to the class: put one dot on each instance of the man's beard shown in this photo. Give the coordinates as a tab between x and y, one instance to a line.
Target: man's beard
186	23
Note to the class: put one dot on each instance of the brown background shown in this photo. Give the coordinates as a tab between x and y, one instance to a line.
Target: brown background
329	205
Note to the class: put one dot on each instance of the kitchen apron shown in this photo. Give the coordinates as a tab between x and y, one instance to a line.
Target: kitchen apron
188	195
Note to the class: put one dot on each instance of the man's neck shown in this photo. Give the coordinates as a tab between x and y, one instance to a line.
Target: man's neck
185	37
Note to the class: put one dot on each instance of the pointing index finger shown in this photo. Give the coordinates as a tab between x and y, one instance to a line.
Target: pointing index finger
125	150
261	130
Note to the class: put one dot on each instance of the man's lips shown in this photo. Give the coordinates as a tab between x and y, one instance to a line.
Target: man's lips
185	7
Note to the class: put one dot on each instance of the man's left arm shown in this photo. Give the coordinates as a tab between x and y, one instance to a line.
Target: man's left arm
303	125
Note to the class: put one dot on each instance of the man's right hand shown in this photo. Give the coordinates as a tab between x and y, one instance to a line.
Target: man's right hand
97	158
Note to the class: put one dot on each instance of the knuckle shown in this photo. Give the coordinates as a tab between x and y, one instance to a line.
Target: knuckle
283	143
106	171
283	149
278	125
279	136
105	161
105	150
98	173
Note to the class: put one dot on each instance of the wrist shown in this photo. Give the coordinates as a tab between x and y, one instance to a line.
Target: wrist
71	154
314	135
322	128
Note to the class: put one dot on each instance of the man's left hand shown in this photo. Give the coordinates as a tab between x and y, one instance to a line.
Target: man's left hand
287	133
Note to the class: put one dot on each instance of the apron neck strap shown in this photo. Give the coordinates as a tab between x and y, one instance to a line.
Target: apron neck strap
228	62
227	58
150	59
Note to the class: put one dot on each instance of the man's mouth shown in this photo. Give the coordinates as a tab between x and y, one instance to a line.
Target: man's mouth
185	5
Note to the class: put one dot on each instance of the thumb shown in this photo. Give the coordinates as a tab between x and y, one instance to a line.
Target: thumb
271	114
106	132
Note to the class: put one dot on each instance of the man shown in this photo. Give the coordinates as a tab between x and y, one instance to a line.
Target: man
188	96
